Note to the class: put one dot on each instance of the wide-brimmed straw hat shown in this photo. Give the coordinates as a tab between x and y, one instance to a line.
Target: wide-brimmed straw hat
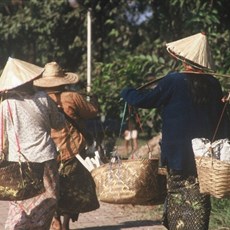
54	75
194	50
17	72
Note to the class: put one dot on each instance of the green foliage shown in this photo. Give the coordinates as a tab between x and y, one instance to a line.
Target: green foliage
128	38
112	77
40	31
220	214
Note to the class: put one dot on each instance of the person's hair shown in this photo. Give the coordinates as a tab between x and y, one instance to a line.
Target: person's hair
199	89
21	91
59	88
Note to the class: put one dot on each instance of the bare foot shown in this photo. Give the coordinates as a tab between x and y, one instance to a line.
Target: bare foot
56	224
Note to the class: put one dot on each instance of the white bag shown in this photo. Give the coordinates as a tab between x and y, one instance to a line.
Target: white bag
219	149
225	150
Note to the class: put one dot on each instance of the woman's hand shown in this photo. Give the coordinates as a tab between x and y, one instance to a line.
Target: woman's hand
226	98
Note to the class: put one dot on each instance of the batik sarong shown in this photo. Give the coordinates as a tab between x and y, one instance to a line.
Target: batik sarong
185	207
36	213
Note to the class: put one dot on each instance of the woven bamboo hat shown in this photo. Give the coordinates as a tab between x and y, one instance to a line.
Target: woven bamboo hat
54	75
194	50
17	72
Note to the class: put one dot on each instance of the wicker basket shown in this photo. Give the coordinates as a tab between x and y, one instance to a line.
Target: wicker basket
130	182
213	176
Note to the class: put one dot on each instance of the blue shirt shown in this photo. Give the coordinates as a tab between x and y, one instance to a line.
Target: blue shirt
182	120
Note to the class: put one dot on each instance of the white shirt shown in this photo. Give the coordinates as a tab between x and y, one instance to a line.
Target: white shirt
33	117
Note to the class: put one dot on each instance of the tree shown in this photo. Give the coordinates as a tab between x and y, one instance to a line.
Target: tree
128	37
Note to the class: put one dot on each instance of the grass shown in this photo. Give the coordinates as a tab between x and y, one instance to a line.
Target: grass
220	215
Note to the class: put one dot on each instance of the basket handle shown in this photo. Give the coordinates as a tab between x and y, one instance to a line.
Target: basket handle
217	127
221	116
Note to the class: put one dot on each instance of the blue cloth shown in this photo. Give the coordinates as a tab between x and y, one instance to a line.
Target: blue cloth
182	120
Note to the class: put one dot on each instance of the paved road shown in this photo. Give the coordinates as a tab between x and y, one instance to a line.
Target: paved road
110	217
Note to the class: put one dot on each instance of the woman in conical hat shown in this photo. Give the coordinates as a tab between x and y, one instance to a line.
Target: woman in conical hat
33	114
190	103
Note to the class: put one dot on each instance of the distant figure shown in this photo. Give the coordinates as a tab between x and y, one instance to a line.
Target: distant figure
131	135
149	127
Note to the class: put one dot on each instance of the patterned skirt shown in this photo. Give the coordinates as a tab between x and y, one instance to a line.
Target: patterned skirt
185	207
36	213
77	189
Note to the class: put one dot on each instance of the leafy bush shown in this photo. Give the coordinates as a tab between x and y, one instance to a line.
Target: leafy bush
220	215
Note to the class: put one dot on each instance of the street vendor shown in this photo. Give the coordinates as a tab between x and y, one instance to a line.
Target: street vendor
191	105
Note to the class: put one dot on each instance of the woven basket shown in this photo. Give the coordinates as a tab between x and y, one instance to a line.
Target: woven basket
130	182
213	176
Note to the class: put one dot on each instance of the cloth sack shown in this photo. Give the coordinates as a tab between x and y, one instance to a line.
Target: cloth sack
20	180
77	188
219	149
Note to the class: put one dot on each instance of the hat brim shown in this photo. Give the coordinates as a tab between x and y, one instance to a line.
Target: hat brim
46	82
194	50
17	72
189	62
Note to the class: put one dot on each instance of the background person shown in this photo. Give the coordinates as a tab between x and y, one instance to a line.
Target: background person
190	103
33	115
131	135
70	141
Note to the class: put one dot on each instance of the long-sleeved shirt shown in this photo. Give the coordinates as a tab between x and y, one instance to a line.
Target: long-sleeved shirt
182	120
69	140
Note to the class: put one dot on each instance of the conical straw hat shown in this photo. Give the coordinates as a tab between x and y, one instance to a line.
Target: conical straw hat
17	72
54	75
194	50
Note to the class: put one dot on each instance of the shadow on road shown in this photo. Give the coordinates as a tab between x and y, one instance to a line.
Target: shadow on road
124	225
